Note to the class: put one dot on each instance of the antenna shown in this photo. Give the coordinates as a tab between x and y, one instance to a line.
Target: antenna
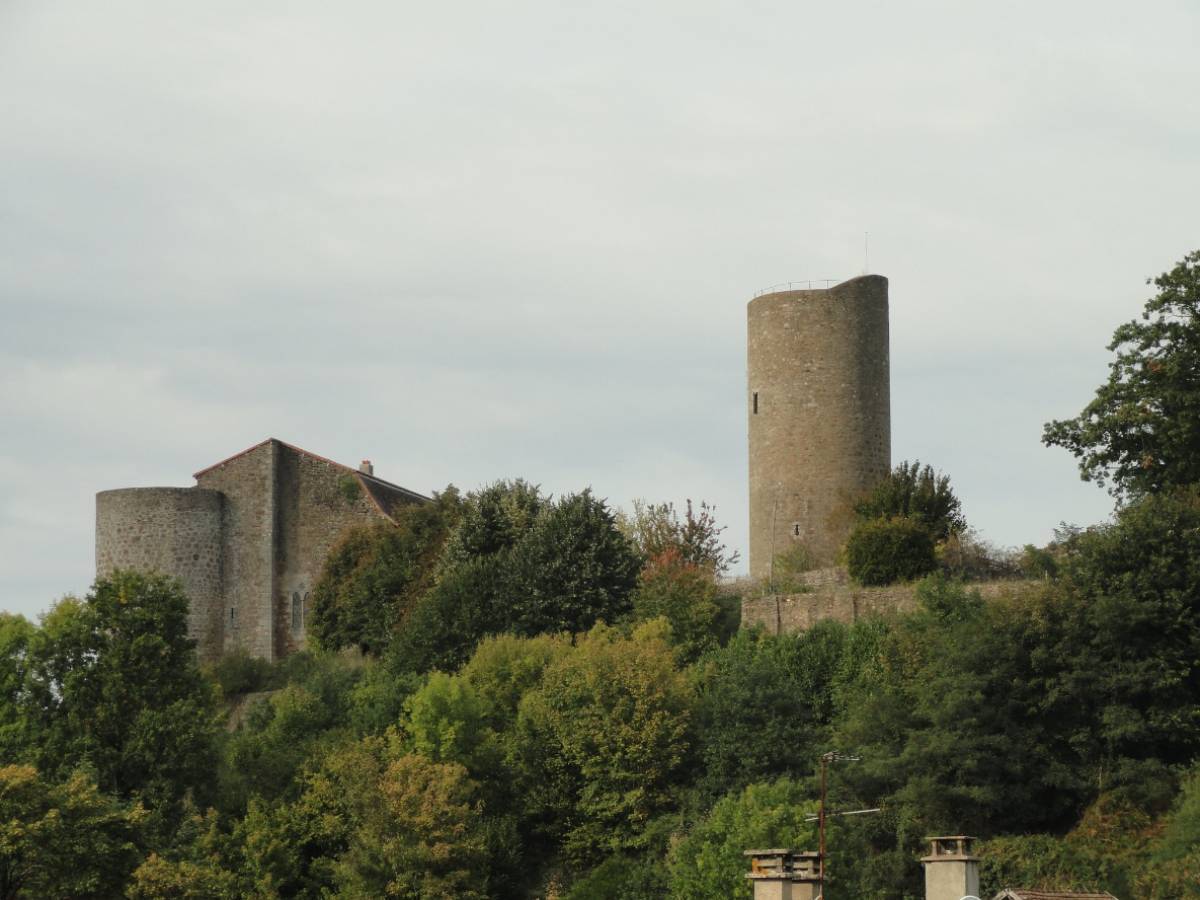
826	758
866	253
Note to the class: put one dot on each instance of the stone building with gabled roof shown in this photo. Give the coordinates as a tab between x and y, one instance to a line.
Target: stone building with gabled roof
247	541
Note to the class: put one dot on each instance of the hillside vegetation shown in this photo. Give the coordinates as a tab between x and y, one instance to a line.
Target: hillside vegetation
513	696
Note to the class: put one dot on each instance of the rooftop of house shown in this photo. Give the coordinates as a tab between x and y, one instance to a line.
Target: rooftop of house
384	494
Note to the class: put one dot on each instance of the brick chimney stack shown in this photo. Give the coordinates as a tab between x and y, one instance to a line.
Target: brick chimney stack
951	870
366	468
784	874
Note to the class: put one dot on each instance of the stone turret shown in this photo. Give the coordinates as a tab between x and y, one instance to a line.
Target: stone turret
819	407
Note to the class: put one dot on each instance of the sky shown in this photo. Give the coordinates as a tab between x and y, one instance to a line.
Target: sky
473	241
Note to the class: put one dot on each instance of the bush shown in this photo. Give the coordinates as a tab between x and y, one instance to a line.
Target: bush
883	551
913	492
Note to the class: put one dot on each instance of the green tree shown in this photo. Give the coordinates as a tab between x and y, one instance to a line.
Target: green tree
914	492
166	879
113	682
604	739
882	551
709	863
16	634
492	520
685	595
375	573
781	690
1140	432
572	569
63	840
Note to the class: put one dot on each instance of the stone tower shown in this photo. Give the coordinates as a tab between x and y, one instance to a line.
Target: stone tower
819	412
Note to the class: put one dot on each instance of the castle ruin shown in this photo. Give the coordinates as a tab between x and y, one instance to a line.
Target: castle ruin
819	408
247	542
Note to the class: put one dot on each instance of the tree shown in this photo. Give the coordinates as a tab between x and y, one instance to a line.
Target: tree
375	573
780	689
492	520
916	493
685	595
604	738
655	529
63	840
113	682
572	569
1140	432
709	863
882	551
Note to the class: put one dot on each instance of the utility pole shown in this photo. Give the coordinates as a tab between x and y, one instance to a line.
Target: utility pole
826	758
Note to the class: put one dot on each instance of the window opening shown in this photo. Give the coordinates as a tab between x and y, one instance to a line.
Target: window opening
756	403
296	611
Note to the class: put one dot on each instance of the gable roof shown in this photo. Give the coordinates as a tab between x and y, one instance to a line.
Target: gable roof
1024	894
386	496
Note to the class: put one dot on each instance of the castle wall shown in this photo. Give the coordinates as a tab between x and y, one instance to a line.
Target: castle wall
819	412
831	595
249	526
318	501
174	531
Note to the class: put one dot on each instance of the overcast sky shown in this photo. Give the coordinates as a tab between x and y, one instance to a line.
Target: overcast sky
484	240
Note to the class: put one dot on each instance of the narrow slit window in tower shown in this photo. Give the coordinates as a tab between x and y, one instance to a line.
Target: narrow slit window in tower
296	613
756	403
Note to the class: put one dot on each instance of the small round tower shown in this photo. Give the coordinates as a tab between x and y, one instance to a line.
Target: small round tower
173	531
819	413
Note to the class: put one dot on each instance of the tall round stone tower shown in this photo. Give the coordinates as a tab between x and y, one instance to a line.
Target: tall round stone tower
173	531
820	414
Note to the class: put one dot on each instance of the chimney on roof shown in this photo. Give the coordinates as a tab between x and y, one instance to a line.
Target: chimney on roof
951	869
366	468
784	874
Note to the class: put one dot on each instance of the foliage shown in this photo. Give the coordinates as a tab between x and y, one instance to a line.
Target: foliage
375	573
349	487
446	721
238	673
685	595
63	840
572	569
1182	833
655	529
912	492
622	878
882	551
1140	432
112	682
604	738
467	604
492	520
163	879
283	731
708	864
419	838
777	688
966	555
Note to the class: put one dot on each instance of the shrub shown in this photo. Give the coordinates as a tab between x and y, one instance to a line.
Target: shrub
913	492
883	551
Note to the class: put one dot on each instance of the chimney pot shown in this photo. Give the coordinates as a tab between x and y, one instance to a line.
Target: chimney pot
366	468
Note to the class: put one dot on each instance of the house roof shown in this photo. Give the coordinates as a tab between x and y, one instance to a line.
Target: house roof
385	495
1024	894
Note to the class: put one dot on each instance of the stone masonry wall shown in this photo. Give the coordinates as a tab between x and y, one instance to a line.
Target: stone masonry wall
248	483
173	531
318	501
819	412
833	596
